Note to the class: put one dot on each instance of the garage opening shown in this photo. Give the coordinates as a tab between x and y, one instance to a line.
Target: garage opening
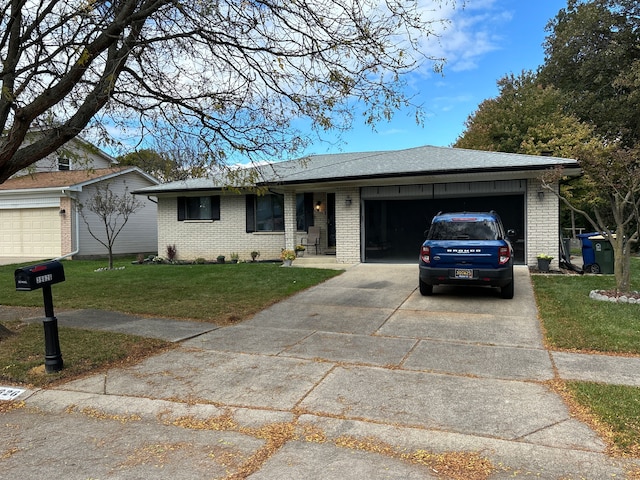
394	229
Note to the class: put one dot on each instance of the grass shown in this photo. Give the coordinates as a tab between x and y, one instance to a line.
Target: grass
220	294
617	407
83	351
572	321
212	293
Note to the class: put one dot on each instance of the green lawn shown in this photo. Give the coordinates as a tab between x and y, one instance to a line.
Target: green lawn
573	321
83	351
213	293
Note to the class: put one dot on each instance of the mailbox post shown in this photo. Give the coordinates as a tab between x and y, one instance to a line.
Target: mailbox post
43	276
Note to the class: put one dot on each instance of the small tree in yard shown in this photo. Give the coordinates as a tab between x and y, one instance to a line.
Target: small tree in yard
613	175
114	211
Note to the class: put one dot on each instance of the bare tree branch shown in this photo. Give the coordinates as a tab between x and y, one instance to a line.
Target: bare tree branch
235	75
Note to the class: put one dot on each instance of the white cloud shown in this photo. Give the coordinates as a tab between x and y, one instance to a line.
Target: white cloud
473	31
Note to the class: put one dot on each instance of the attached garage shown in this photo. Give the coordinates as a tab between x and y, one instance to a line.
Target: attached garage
30	232
396	217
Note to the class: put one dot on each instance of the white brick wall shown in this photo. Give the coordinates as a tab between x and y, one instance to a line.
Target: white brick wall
543	220
291	239
348	226
207	239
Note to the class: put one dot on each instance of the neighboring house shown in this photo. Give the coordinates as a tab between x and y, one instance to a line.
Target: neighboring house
370	207
39	216
77	154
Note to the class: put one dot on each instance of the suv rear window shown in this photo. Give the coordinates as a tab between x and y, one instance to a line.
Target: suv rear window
464	229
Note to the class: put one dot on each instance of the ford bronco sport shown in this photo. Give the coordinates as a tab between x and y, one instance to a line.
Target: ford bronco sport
466	249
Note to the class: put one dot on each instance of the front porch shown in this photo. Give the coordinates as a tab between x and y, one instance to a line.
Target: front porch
335	215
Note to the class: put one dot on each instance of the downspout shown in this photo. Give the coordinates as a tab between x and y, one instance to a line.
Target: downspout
77	232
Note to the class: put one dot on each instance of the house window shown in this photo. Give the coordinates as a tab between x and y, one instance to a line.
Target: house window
265	213
199	208
304	211
64	164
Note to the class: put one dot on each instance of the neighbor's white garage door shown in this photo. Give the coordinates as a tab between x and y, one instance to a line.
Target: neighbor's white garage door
30	232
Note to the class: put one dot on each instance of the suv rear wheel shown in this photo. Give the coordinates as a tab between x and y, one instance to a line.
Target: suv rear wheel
507	290
426	289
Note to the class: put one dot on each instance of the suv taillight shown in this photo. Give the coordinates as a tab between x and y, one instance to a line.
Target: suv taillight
425	254
504	254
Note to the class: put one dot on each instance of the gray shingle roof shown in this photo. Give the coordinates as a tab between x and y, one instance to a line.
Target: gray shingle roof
420	161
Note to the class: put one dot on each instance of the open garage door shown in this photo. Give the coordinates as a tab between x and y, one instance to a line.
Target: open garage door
394	228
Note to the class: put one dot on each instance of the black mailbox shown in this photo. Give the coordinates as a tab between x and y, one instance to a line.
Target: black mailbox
38	276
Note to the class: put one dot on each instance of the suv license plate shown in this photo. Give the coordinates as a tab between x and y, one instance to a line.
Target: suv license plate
464	273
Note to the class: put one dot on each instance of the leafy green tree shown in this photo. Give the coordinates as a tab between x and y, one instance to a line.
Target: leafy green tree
235	76
157	164
592	56
511	121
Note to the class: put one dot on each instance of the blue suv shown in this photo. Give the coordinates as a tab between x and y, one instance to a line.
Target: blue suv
467	249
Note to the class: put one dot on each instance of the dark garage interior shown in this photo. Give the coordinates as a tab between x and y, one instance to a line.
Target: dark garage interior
394	229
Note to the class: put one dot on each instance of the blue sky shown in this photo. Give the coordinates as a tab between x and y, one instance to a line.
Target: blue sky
486	40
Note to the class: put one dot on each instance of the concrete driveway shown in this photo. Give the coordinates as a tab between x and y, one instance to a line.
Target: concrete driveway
362	367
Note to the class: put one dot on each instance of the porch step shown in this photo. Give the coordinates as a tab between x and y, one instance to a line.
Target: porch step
316	259
320	261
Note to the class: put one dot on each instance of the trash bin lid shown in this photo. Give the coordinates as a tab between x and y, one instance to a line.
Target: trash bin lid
601	237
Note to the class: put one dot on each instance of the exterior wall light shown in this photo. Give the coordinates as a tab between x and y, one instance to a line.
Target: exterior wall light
347	201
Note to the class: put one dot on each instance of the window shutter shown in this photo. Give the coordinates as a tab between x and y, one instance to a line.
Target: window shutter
181	208
250	201
215	207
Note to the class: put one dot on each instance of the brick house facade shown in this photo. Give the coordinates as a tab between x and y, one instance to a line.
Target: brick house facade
369	207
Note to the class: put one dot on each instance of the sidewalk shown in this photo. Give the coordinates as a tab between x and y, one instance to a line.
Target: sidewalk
350	379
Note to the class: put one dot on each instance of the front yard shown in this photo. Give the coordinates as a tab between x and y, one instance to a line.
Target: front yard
572	321
575	322
225	294
219	294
